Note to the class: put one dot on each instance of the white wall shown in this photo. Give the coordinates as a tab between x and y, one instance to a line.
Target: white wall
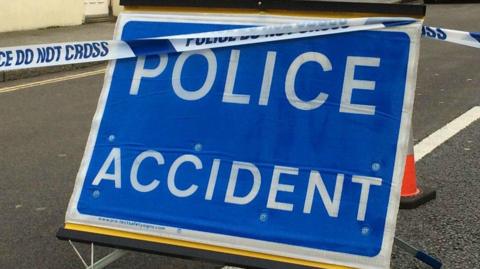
33	14
116	7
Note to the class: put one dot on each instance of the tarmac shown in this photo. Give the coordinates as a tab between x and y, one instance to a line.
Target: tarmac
46	128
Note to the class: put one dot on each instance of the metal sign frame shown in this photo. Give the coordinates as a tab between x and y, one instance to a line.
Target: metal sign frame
295	5
124	240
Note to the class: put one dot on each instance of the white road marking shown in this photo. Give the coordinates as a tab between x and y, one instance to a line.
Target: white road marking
439	137
50	81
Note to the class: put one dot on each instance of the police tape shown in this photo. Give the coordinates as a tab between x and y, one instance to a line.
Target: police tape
43	55
82	52
471	39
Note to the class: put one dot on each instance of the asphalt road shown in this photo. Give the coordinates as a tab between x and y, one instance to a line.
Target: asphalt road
43	131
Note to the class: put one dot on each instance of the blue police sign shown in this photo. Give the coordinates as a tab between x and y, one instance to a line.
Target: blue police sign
291	148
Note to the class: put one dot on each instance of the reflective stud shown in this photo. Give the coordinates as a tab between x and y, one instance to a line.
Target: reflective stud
96	194
365	231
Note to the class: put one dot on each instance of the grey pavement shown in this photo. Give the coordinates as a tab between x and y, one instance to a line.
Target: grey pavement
89	31
44	130
85	32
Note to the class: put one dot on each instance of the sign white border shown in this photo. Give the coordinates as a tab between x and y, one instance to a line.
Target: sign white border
382	260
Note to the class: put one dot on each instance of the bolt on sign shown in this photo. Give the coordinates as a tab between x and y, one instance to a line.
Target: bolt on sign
289	151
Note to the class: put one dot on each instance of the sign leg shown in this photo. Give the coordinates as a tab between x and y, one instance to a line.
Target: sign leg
103	262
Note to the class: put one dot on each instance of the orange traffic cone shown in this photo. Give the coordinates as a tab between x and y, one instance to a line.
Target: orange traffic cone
412	195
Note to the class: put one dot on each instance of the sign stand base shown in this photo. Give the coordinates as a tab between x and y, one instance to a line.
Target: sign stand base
103	262
415	201
123	245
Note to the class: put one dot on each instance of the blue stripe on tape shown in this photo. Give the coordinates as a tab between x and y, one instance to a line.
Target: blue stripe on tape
475	35
389	23
398	23
150	46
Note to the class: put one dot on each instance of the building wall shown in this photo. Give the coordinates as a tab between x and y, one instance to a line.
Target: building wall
116	7
18	15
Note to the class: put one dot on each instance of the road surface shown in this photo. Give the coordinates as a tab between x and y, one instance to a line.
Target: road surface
44	126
